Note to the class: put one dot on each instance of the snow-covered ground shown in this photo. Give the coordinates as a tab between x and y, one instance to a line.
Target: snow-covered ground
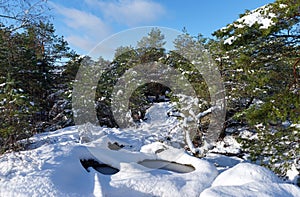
52	165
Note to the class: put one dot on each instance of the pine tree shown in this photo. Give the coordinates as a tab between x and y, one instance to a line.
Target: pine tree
154	39
148	49
15	115
259	62
29	59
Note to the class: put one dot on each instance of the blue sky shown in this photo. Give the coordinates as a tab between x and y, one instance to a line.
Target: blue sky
84	23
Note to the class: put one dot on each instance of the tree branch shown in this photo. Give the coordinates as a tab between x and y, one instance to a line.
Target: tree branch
10	17
295	71
286	36
206	112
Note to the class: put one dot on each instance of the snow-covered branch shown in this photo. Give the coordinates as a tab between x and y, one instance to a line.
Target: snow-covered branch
206	112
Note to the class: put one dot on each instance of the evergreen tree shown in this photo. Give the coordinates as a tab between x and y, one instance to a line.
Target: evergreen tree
148	49
154	39
30	61
15	115
259	62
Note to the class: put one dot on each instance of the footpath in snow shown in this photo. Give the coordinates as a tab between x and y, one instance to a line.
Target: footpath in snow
145	161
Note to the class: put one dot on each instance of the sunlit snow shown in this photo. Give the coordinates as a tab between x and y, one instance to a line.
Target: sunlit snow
261	15
51	165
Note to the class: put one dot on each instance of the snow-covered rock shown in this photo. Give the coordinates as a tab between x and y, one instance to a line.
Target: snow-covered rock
52	166
247	179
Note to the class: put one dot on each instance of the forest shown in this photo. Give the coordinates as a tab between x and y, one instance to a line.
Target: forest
259	64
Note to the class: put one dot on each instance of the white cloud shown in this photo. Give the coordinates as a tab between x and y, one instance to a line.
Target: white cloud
82	43
86	29
129	12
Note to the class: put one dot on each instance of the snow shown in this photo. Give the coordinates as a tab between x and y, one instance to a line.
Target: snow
296	126
253	189
239	176
261	15
282	5
228	145
51	165
246	179
293	174
230	40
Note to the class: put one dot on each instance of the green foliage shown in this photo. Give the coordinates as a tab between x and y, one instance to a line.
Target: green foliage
148	50
259	66
277	145
276	148
15	111
30	74
281	107
155	39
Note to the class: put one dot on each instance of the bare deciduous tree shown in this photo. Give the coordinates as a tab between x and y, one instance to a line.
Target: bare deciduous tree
20	13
